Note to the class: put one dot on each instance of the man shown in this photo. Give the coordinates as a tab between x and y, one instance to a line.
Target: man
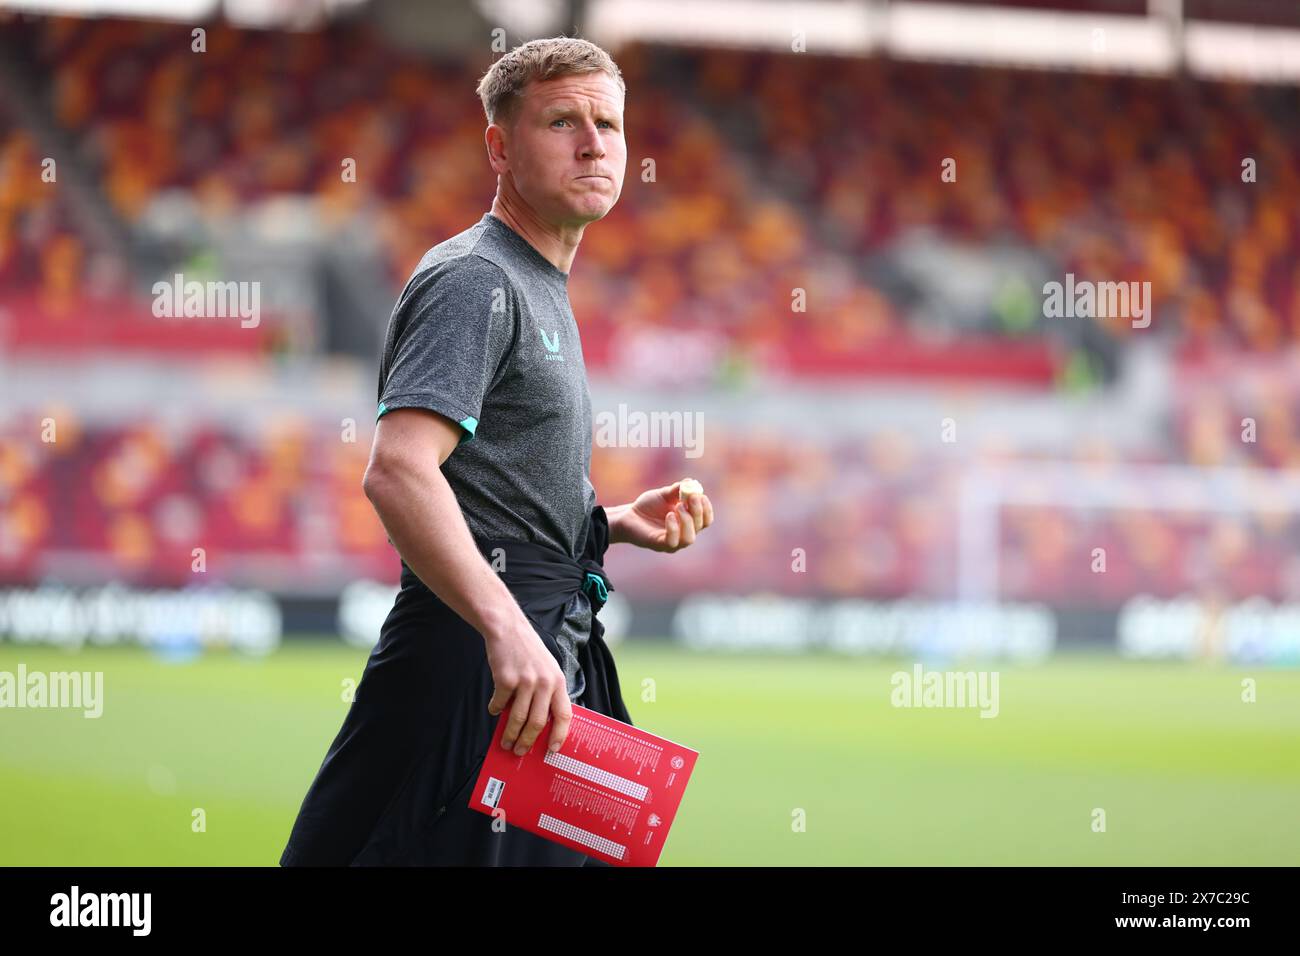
480	474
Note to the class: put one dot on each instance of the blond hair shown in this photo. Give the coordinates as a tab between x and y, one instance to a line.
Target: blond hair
503	84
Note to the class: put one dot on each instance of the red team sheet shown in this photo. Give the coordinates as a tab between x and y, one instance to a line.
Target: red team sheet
611	791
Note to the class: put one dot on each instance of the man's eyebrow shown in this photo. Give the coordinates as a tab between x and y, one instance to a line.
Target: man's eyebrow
575	108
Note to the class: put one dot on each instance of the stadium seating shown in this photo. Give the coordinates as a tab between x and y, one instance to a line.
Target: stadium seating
721	218
876	518
1123	177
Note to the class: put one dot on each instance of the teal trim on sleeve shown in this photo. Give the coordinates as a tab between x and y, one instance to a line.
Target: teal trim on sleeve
470	425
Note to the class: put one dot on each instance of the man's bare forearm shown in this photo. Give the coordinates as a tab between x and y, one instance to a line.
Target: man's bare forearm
423	518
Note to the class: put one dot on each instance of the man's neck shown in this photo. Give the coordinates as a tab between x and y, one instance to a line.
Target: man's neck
557	244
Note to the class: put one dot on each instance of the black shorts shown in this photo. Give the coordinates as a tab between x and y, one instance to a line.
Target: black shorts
394	787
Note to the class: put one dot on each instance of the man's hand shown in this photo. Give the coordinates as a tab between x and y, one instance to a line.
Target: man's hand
660	520
522	667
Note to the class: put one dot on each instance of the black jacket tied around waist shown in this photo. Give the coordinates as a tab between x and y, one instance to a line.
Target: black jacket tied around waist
543	580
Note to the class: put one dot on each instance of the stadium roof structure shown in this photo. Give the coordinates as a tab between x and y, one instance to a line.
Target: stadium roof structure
254	13
1254	40
1257	40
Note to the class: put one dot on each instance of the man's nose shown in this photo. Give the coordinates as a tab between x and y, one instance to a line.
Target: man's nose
592	145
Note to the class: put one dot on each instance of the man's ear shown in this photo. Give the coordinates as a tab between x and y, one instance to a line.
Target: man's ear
496	147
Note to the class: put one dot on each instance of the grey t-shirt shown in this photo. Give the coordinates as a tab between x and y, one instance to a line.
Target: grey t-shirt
484	335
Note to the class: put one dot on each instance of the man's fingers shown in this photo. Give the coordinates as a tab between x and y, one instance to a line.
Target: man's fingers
500	697
561	715
697	510
708	510
672	531
539	710
688	526
518	716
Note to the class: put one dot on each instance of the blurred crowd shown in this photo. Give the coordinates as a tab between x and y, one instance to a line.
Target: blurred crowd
692	244
282	502
750	174
819	165
41	249
1191	185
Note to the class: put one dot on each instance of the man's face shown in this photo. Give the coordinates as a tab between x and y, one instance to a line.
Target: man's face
565	149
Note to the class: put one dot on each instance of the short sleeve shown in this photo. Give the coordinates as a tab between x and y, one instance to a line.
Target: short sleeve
448	340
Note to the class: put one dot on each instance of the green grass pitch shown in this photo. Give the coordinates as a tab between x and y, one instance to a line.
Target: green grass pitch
1186	772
